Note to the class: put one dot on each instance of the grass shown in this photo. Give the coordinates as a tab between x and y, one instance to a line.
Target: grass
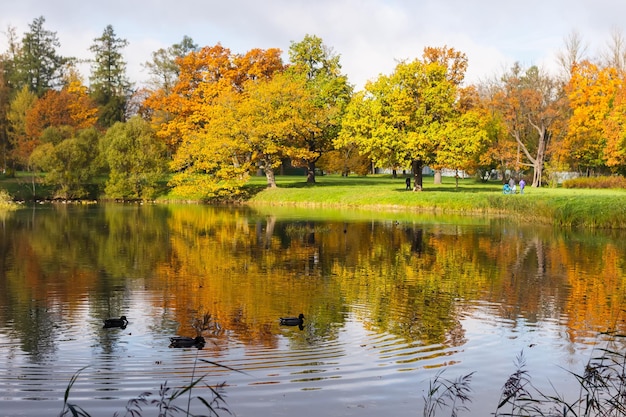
592	208
585	208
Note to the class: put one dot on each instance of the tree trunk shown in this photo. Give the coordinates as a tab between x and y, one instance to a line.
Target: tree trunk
310	172
437	179
269	174
417	175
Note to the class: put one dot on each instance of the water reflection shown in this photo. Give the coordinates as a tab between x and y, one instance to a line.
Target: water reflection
412	283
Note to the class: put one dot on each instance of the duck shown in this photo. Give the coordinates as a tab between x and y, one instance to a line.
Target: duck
186	342
292	321
122	322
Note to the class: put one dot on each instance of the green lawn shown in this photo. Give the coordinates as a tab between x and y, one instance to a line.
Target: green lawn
564	207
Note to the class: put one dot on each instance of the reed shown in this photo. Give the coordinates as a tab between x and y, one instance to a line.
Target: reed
167	402
602	392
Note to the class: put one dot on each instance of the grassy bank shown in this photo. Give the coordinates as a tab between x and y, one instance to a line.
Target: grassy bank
572	207
562	207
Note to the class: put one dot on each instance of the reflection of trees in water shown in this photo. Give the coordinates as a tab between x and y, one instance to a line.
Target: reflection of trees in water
247	270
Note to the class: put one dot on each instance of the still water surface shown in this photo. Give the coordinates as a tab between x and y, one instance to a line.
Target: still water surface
389	301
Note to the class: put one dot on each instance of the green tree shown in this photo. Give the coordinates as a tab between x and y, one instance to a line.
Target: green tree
401	119
38	65
135	158
465	139
330	94
68	165
110	87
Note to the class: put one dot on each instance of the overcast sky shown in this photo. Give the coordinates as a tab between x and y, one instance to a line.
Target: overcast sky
369	35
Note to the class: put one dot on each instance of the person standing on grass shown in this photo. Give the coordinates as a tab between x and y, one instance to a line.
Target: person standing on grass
522	184
408	183
512	185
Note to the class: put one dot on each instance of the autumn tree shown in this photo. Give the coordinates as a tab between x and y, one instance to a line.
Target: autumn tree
135	158
615	128
331	93
22	144
346	160
110	86
204	129
591	92
71	106
501	152
532	105
274	114
177	115
408	117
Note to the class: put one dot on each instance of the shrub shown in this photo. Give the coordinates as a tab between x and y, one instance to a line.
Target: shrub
596	182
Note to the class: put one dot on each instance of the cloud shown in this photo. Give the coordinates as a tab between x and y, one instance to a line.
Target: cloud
370	35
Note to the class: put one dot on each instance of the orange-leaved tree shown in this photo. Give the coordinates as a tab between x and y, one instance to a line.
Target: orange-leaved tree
71	106
592	92
197	118
531	103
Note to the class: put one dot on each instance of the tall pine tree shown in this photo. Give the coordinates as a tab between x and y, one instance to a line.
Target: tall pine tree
110	87
37	64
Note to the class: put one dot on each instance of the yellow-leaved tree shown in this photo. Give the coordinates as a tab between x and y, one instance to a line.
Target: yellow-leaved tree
592	92
199	119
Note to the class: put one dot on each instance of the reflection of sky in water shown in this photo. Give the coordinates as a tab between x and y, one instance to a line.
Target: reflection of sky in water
359	371
371	312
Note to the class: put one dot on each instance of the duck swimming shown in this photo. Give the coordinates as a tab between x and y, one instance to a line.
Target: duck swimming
186	342
122	322
292	321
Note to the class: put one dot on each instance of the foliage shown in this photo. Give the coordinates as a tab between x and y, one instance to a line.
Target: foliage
592	94
6	201
345	160
330	93
216	129
37	64
68	164
71	106
21	143
271	118
532	106
596	182
411	118
109	85
135	158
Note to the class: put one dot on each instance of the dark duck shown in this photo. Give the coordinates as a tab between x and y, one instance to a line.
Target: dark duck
122	322
187	342
292	321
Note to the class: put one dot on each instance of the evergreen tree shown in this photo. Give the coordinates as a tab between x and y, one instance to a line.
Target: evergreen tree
37	64
110	87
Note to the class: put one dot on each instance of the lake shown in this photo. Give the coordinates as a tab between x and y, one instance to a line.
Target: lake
391	301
